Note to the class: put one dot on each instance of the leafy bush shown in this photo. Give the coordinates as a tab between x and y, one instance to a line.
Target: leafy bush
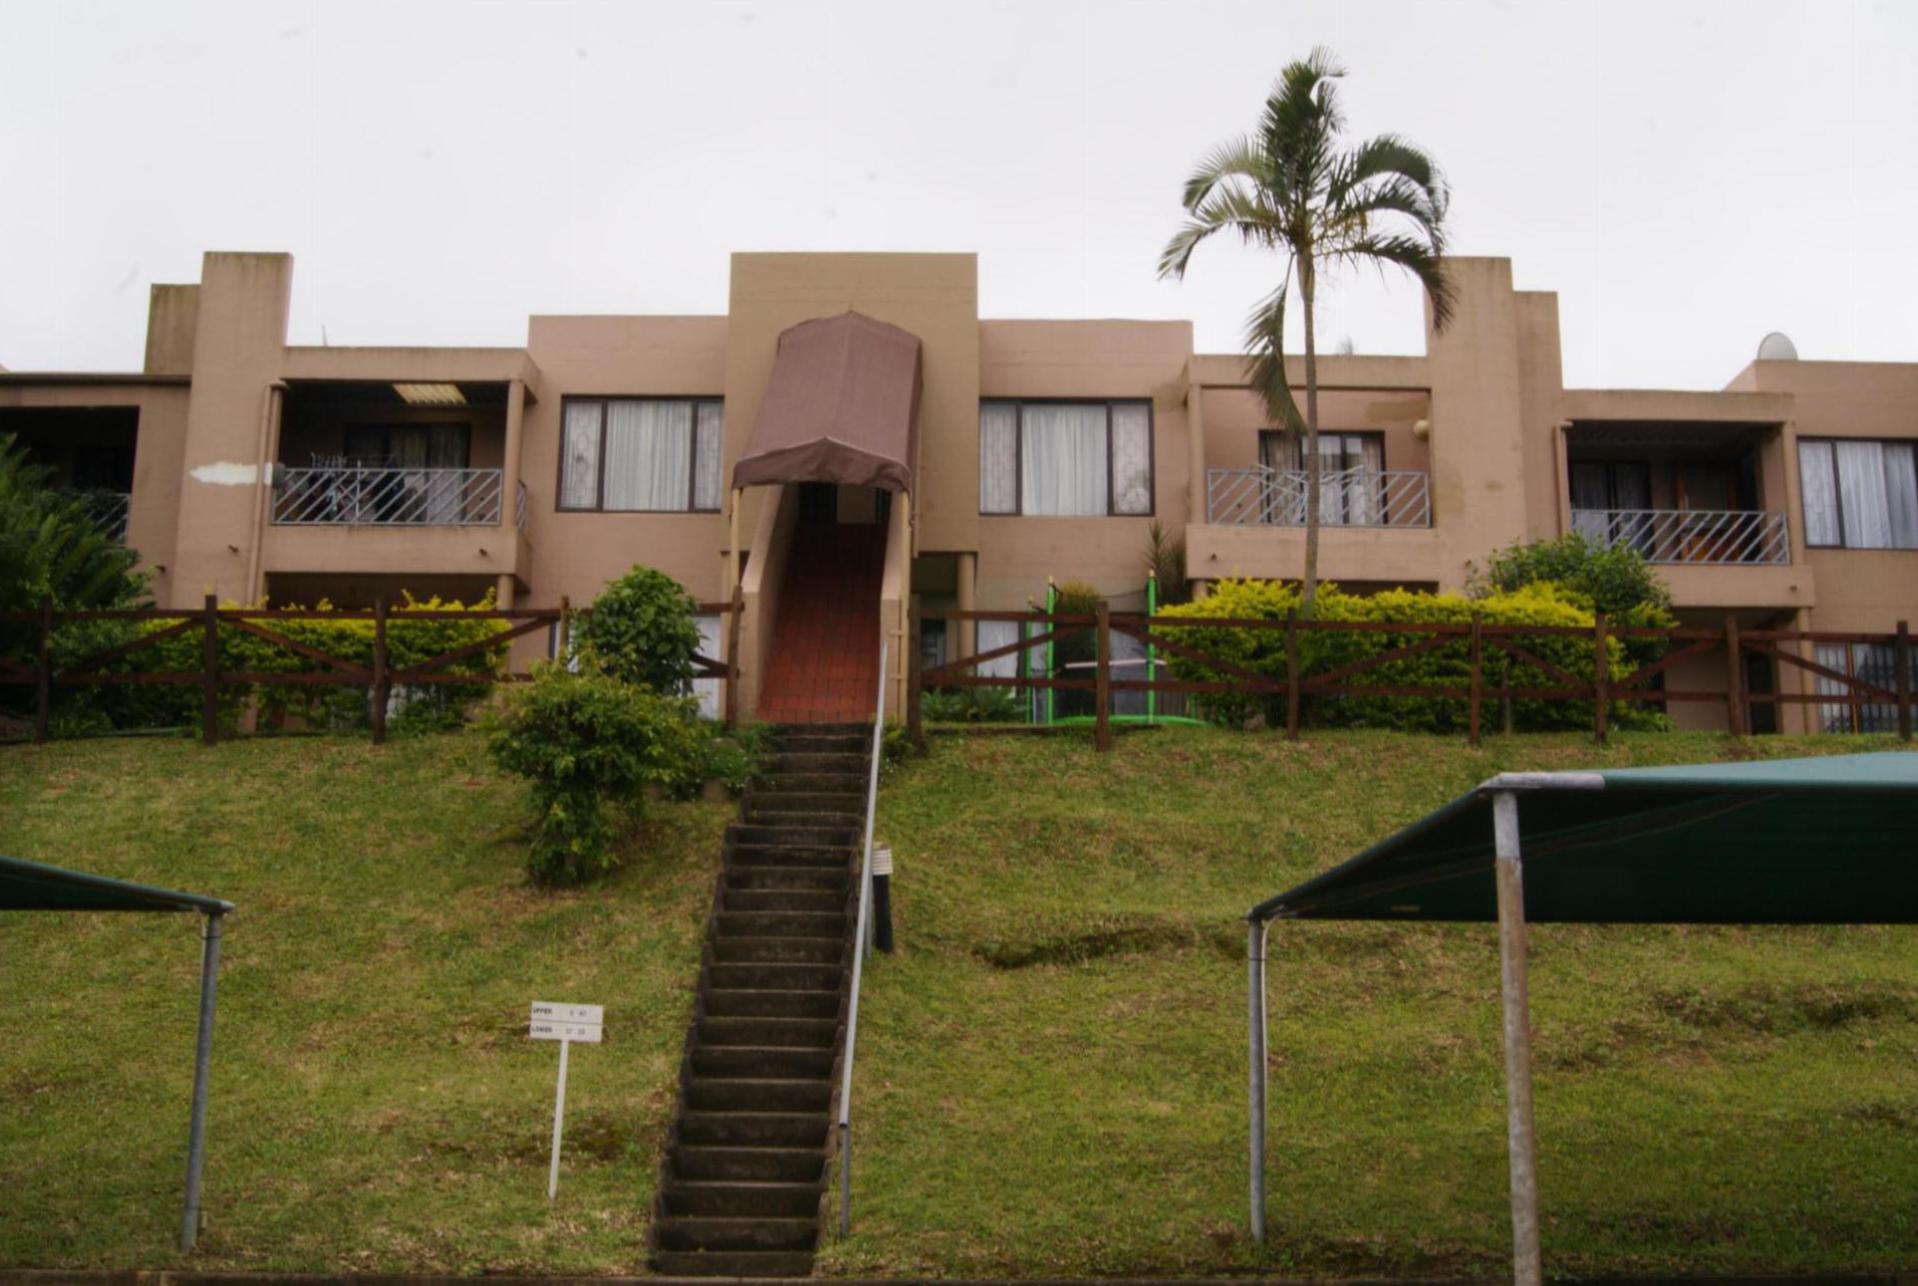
973	705
1165	555
1449	665
641	629
1611	578
408	644
589	744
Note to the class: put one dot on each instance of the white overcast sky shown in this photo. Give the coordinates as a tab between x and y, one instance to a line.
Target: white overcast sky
1687	176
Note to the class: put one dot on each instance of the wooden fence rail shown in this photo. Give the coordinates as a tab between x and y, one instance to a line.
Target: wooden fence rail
1599	685
379	677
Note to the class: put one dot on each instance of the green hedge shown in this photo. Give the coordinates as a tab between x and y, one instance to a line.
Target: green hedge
120	707
1320	652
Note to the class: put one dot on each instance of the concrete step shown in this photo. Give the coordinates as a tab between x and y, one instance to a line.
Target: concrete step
773	976
833	762
757	1165
849	782
756	814
818	901
753	1129
806	729
779	950
781	924
770	878
695	1232
822	743
793	833
714	1094
767	1003
796	1033
733	1263
831	856
764	1062
776	1200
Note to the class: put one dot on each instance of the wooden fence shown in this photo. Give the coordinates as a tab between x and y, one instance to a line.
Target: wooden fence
379	677
1596	685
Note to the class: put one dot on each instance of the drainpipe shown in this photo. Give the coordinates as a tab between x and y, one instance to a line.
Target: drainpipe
267	447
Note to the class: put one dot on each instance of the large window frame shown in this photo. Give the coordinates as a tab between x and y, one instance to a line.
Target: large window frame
603	401
1019	456
1830	446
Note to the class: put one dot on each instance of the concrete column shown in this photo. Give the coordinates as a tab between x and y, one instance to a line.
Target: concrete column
968	580
504	593
1195	449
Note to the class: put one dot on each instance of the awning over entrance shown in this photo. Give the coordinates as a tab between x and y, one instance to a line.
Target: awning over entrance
842	406
1825	840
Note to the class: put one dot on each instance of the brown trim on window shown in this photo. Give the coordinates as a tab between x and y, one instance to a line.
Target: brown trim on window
1838	492
1019	454
603	401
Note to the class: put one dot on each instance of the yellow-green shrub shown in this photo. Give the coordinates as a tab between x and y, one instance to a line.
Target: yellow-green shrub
1449	665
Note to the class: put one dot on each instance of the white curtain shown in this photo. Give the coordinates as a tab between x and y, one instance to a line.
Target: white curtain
1818	481
649	448
1861	483
1901	493
1131	458
579	465
998	457
1063	464
1365	483
708	451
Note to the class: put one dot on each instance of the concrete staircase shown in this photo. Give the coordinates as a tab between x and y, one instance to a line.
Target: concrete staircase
742	1185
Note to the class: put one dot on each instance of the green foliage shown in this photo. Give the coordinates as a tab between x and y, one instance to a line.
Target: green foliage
1449	665
641	630
1074	598
729	758
1611	578
973	705
1165	555
408	644
51	548
589	744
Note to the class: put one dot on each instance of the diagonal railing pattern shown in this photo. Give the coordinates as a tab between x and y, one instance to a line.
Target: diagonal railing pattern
372	496
1714	536
1259	496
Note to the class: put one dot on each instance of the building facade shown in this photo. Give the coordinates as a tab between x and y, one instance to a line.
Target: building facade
1031	450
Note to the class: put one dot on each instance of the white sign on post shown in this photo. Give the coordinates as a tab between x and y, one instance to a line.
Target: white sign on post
565	1024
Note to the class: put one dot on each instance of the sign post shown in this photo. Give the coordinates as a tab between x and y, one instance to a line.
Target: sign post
565	1024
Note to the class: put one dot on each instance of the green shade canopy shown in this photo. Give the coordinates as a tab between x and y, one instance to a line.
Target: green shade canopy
1829	840
29	886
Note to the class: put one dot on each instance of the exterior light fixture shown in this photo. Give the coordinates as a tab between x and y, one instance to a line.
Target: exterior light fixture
430	394
1422	429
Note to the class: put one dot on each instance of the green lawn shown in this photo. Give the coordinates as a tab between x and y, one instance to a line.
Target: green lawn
1052	1075
376	1105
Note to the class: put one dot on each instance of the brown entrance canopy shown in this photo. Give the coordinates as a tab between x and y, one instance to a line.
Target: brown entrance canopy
842	406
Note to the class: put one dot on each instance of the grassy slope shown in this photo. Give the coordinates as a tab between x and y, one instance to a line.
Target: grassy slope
1051	1073
376	1104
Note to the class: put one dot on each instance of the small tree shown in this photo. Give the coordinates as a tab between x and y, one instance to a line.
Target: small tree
1613	578
50	547
642	630
589	744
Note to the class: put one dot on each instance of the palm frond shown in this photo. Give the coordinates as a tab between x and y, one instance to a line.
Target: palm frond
1265	361
1235	158
1415	256
1230	207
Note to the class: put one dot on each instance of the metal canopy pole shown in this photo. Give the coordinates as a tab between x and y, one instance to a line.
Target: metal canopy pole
1520	1144
1255	1056
202	1055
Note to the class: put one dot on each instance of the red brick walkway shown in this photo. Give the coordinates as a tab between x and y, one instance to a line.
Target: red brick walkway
825	662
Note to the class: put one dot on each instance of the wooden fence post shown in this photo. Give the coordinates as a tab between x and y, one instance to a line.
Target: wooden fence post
1292	676
43	678
734	619
1473	702
1601	679
1102	685
1734	678
382	684
915	717
1901	670
210	672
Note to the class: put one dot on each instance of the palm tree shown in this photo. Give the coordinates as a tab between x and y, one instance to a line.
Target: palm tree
1293	188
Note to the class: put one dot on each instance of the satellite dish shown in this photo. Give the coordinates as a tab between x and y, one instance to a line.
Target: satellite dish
1777	347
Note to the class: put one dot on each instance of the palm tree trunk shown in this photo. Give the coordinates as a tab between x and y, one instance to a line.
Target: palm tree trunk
1309	590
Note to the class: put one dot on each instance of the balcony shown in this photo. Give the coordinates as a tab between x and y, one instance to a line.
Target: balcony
1711	537
107	510
355	495
1263	497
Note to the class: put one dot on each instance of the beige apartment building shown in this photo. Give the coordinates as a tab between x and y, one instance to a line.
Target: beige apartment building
852	432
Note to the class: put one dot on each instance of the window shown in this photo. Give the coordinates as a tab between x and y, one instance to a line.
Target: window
713	647
1873	663
641	455
1065	459
1352	492
1859	494
1604	495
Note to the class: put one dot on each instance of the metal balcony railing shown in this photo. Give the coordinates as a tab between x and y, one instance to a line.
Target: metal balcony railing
1714	536
378	496
107	509
1347	497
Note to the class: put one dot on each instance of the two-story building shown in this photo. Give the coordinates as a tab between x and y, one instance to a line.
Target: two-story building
851	432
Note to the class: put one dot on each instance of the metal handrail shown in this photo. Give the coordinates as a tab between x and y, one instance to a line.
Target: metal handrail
385	496
107	510
1261	496
862	928
1720	537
